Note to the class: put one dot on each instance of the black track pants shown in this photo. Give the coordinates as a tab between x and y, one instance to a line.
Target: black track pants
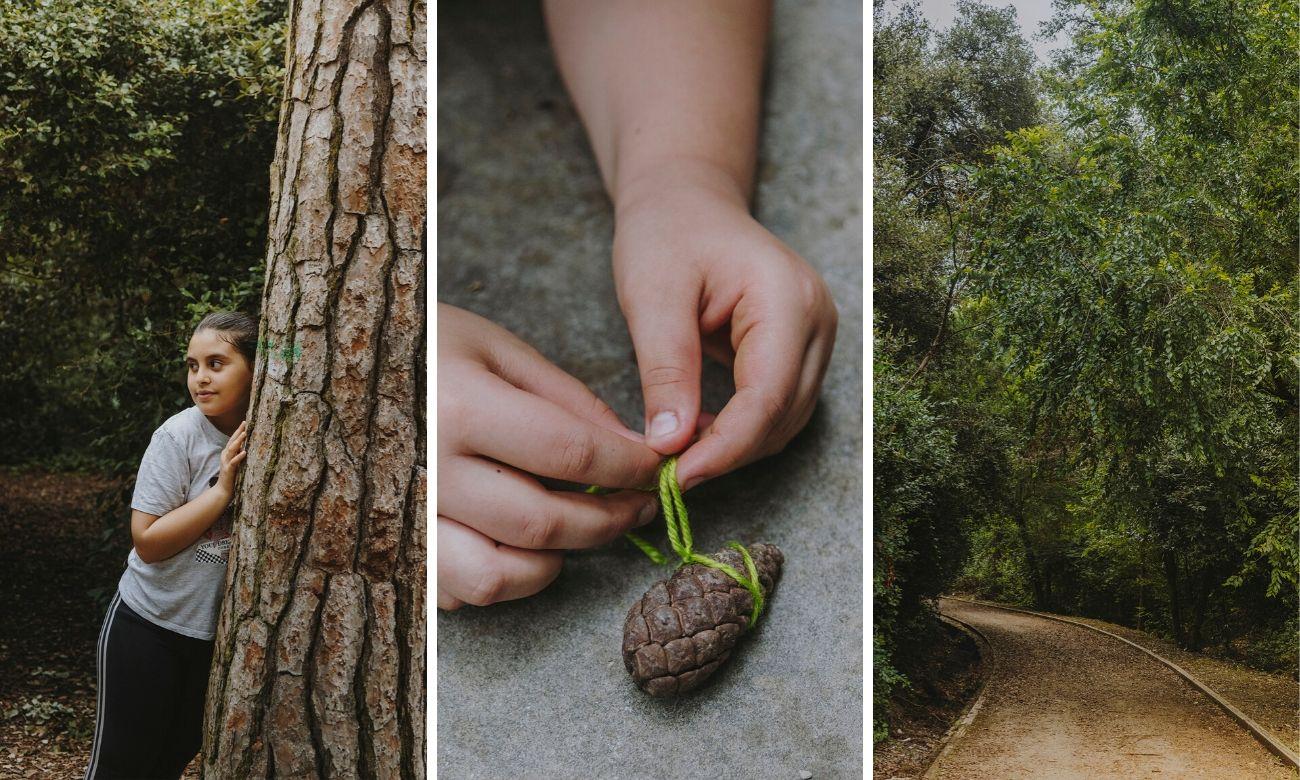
152	683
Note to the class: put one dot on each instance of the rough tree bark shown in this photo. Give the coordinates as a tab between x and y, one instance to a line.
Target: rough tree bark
319	668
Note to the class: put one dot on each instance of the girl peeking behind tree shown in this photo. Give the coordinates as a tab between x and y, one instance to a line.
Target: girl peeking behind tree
156	643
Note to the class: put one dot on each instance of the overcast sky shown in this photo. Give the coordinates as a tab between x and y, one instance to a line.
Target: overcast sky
940	13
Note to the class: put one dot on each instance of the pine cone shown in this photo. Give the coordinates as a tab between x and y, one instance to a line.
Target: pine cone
685	627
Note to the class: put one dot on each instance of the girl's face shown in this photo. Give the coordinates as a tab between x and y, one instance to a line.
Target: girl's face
219	377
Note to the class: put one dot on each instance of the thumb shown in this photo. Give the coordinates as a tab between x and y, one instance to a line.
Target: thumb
667	343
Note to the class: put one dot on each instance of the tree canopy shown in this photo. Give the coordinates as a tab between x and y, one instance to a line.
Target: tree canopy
1093	295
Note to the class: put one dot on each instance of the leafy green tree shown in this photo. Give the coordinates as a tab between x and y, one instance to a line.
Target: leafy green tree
913	461
1139	254
135	138
940	100
944	99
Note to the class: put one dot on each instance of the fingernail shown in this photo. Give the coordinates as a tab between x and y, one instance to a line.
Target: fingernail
690	483
648	513
663	424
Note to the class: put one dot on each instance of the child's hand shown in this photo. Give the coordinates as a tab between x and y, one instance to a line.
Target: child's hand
695	271
504	414
232	457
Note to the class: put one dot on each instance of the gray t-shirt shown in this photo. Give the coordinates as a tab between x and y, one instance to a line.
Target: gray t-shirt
181	593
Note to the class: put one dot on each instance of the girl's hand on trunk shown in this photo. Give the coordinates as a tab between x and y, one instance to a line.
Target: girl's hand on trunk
232	457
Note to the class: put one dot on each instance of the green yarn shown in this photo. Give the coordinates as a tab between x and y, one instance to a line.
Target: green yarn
679	536
647	548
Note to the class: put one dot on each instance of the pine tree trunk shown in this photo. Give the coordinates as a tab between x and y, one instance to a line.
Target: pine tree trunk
319	668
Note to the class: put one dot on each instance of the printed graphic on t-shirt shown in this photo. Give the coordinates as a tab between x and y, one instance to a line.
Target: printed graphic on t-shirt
216	540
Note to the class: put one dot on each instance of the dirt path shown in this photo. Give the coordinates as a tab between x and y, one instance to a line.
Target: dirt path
1065	702
1271	700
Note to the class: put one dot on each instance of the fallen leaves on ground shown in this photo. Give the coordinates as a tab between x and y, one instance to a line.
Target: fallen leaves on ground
58	570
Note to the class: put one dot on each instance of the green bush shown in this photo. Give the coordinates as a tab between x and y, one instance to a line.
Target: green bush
996	568
135	140
915	537
1275	650
885	681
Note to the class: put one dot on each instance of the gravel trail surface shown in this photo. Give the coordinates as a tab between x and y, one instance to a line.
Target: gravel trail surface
1271	700
1066	702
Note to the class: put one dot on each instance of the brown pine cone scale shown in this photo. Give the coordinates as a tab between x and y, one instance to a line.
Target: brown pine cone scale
686	626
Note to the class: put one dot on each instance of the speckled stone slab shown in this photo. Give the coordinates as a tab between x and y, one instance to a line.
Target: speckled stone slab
537	687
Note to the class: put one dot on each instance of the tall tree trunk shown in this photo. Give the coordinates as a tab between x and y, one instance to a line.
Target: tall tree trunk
1196	639
319	667
1175	599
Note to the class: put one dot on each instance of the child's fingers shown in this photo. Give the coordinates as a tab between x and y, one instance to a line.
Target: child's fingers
526	368
536	436
768	364
666	336
447	601
232	462
815	361
513	508
476	570
702	424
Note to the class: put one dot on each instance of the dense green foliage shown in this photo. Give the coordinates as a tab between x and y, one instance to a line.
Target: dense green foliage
135	144
1099	307
939	446
1141	256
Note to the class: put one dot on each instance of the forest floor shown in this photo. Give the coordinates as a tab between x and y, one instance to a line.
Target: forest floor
56	575
941	681
1062	701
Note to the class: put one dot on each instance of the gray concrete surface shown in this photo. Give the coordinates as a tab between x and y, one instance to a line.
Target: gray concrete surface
536	688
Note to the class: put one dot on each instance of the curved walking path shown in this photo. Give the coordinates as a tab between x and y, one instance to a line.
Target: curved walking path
1066	702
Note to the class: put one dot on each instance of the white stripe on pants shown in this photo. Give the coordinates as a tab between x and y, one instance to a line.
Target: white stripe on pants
100	670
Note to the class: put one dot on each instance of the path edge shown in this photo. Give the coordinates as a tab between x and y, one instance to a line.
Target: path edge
1257	731
967	716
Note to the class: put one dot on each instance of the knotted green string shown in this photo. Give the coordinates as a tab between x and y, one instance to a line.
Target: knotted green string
679	536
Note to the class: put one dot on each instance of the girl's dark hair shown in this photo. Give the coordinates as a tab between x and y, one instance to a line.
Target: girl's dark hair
236	329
